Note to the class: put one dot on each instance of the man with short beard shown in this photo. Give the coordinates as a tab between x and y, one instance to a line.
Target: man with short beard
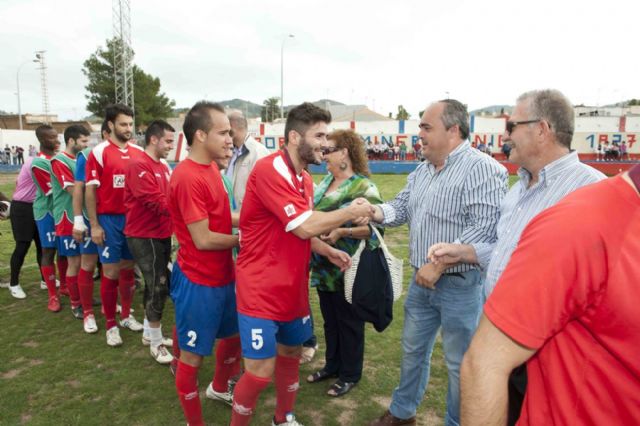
105	188
148	230
278	227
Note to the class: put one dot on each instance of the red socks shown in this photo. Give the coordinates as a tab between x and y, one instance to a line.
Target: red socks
245	397
85	288
187	387
49	274
62	263
176	348
227	362
287	384
126	285
109	295
74	294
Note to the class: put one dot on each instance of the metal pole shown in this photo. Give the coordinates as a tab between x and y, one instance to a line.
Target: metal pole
18	87
282	75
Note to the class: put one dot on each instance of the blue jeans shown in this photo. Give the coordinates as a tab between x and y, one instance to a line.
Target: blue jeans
455	304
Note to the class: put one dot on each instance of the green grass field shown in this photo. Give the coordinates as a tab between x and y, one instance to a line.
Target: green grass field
52	373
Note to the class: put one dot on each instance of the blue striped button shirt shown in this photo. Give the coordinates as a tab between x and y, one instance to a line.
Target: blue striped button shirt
522	204
460	203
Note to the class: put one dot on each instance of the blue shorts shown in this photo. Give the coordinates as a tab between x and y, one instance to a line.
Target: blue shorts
259	336
88	246
203	314
67	246
47	232
115	246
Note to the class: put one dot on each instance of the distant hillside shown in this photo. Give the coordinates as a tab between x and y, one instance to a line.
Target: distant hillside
493	110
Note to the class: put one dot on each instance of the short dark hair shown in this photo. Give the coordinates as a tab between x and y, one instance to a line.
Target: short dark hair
455	114
157	129
74	132
304	116
112	111
41	130
199	118
105	128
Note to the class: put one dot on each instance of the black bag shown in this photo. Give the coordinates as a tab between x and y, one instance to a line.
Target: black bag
372	298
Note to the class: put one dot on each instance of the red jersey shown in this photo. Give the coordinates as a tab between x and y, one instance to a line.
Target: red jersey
106	168
196	192
273	264
146	198
571	291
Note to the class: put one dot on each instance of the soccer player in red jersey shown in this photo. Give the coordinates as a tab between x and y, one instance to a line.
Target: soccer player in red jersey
148	229
277	233
63	167
202	278
106	168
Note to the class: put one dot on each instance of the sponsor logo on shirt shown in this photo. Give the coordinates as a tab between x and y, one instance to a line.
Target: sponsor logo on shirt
289	210
142	174
118	181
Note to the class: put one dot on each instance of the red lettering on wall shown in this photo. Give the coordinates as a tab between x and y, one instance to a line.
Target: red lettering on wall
631	138
400	139
603	138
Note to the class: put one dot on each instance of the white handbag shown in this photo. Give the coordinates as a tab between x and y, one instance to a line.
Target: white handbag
394	264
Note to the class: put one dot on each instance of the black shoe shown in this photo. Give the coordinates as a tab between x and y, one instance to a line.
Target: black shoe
340	388
320	375
77	312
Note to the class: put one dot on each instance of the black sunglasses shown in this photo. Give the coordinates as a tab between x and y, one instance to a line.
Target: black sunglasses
512	124
329	150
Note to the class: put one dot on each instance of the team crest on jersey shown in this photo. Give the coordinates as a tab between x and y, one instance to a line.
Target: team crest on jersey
118	181
289	210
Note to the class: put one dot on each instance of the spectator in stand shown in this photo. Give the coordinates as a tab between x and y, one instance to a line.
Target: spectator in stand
403	151
20	152
615	152
506	150
7	154
14	155
607	151
599	149
417	151
32	151
624	155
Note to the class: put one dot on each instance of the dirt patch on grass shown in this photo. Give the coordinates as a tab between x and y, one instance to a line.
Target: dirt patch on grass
270	402
30	344
11	374
430	418
75	384
384	401
25	418
35	362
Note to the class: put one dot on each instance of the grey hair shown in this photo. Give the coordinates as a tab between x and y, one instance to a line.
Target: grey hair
554	108
455	113
237	119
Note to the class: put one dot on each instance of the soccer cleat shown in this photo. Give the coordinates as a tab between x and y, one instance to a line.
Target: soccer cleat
43	285
166	341
173	367
225	397
113	337
77	312
17	292
90	325
131	324
290	421
161	354
54	304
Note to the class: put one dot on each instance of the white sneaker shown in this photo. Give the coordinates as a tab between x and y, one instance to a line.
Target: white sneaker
166	341
17	292
225	397
131	324
290	421
43	285
90	325
161	354
113	337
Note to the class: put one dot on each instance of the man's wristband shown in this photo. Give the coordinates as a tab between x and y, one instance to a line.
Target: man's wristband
78	222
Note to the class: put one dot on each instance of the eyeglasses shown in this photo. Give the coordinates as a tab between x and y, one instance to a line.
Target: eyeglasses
512	124
329	150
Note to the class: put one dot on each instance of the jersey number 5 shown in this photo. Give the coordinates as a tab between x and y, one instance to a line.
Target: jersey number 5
256	339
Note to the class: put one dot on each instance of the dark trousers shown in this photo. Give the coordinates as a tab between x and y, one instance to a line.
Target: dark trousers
344	337
517	389
152	256
24	230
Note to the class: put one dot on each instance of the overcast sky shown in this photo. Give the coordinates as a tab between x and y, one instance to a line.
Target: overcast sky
379	53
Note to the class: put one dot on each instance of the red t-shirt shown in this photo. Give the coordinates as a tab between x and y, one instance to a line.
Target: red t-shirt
106	168
273	264
196	192
146	198
571	291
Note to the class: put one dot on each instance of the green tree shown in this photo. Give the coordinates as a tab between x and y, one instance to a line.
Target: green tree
270	109
402	114
150	103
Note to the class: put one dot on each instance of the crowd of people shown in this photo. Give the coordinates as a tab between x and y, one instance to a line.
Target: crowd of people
13	155
532	287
